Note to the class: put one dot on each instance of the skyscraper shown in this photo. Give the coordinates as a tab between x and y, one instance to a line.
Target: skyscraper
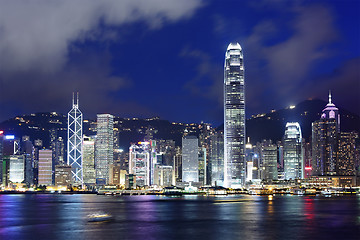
74	143
89	161
45	167
325	133
217	158
140	164
293	157
104	147
190	159
234	117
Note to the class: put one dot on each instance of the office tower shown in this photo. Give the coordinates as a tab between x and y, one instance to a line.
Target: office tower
217	158
325	133
17	168
163	176
234	117
346	153
293	156
178	164
45	167
249	155
104	147
270	162
307	159
202	165
11	145
63	174
139	163
89	161
74	143
114	174
28	152
190	159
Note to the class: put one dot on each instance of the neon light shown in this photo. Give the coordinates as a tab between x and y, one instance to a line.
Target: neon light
1	132
308	168
9	137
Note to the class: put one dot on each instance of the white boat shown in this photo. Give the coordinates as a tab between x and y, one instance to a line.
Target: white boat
99	217
326	193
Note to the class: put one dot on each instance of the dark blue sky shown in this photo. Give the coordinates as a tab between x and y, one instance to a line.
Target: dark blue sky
165	57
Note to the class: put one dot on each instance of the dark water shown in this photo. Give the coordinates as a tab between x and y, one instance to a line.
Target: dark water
189	217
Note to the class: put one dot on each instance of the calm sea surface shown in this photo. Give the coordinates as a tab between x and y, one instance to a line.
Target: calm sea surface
189	217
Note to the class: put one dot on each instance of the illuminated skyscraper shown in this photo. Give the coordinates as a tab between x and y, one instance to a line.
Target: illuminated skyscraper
74	143
45	167
139	163
234	117
190	159
293	157
104	147
325	133
89	161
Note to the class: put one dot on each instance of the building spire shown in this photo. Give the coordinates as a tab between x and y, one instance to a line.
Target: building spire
330	96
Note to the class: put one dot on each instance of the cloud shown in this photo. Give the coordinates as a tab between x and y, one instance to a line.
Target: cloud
284	53
37	34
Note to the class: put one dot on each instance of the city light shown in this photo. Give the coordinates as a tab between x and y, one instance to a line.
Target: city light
9	137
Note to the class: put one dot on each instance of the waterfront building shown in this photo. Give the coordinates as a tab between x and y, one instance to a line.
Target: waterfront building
74	143
346	153
163	176
17	168
202	165
130	181
178	164
190	159
293	155
269	155
104	147
114	175
217	158
45	167
139	163
63	174
27	150
325	133
234	117
89	161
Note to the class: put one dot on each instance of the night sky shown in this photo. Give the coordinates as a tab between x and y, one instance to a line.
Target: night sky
142	58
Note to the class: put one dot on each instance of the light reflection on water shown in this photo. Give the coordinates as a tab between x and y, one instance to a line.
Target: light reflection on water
188	217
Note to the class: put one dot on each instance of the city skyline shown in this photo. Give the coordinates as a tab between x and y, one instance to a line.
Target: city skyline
295	50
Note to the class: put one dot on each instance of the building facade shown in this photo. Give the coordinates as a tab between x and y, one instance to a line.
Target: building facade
104	147
45	167
74	143
325	133
190	159
234	117
293	155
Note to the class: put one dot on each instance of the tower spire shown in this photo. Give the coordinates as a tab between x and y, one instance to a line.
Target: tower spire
330	96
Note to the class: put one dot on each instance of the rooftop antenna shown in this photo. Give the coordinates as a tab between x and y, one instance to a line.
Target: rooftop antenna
330	96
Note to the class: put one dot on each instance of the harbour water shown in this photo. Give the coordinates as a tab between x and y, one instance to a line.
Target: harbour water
58	216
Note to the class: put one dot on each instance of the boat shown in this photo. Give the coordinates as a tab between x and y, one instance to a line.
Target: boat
99	217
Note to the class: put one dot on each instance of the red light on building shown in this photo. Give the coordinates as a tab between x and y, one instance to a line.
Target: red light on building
1	132
308	168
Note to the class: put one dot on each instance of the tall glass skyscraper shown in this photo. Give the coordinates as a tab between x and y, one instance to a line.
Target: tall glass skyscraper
74	143
190	159
104	147
293	155
234	117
